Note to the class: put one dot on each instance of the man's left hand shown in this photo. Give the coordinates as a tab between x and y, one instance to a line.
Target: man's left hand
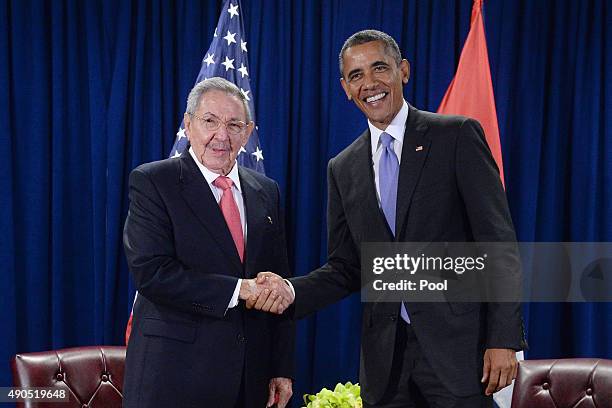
282	387
500	368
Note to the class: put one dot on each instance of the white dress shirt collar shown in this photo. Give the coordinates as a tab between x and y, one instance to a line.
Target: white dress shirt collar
396	128
211	176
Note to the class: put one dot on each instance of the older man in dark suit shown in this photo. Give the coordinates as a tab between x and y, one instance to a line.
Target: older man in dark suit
198	230
412	176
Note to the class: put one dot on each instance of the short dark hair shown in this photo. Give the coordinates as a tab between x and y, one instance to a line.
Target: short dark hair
366	36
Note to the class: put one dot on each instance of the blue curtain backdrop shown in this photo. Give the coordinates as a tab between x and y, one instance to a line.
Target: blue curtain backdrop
89	90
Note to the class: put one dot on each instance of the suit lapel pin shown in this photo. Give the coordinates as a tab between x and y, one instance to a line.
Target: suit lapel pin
269	219
418	148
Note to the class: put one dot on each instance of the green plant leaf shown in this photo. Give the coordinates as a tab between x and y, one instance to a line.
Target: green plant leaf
343	396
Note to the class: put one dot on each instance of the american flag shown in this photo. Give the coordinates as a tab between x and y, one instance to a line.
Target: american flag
227	57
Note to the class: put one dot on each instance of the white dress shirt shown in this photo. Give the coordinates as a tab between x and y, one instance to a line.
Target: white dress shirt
396	130
210	177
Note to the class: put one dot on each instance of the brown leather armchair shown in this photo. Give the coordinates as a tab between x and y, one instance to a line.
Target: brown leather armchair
92	376
564	383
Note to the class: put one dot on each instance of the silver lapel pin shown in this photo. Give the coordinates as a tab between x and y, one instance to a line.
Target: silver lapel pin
418	148
269	219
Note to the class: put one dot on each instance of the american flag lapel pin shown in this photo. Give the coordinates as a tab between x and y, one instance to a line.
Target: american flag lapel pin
418	148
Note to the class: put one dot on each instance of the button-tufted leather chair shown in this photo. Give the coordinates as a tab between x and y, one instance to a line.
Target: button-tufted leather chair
92	376
564	383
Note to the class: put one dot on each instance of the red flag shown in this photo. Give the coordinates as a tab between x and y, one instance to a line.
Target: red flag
471	91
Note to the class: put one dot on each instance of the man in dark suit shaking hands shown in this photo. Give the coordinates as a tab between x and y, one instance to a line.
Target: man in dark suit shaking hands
198	230
412	176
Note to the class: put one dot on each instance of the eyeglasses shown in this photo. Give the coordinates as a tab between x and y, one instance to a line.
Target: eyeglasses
212	122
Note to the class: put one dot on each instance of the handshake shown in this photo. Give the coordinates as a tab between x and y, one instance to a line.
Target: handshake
268	292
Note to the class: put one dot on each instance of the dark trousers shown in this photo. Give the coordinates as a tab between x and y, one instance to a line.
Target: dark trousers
240	401
414	384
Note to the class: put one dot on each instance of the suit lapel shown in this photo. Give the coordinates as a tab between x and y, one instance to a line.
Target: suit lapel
256	216
414	154
200	199
365	191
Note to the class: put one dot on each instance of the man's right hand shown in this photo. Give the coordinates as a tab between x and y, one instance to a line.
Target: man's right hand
271	294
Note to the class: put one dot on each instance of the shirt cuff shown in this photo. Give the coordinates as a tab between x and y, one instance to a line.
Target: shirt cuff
234	300
291	287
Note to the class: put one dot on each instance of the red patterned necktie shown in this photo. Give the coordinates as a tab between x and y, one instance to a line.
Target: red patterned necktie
229	208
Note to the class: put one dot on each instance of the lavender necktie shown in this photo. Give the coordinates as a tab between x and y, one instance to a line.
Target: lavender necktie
388	172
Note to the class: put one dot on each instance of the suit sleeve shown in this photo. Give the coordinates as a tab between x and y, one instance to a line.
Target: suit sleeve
284	336
489	216
341	275
158	274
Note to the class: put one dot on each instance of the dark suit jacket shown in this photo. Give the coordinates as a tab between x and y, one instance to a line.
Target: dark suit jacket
448	191
185	350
